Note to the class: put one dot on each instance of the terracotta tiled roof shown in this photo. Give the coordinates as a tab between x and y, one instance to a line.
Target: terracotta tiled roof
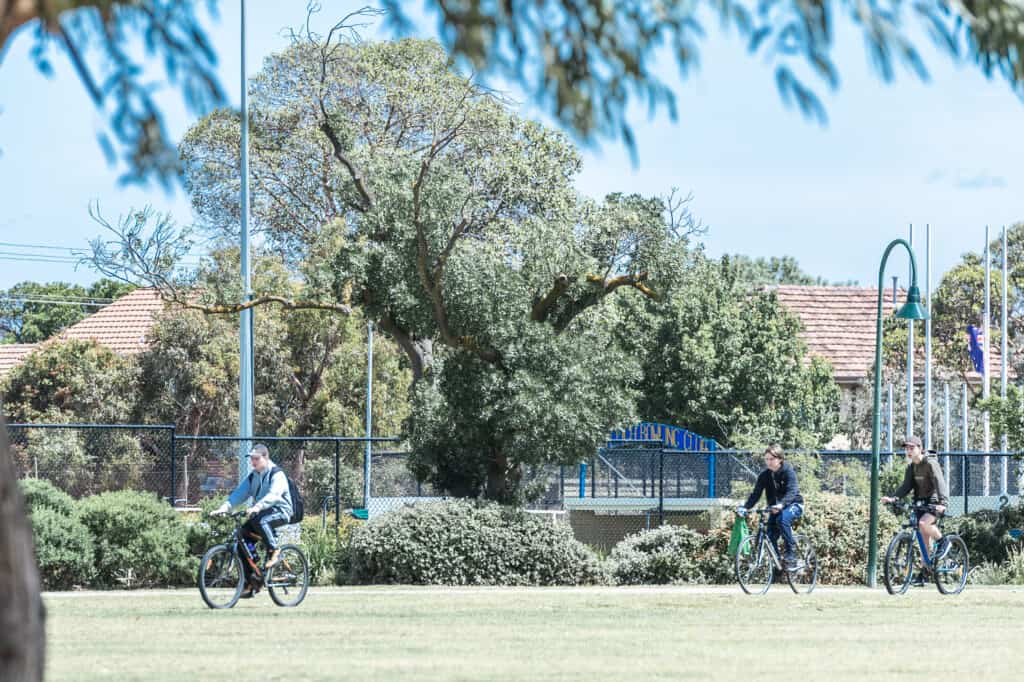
839	325
11	355
122	326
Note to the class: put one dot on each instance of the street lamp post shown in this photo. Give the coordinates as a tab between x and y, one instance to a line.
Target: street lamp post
912	310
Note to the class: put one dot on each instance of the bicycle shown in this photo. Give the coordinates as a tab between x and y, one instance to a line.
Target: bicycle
757	560
221	579
950	575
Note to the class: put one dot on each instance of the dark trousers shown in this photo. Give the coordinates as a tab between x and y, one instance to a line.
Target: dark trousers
782	523
262	525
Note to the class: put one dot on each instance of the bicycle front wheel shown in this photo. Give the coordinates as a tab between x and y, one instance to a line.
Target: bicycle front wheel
220	577
951	571
899	563
754	569
805	577
288	580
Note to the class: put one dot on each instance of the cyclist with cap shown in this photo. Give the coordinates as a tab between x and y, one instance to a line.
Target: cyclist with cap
924	477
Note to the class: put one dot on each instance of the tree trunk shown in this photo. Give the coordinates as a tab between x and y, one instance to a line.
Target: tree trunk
502	479
22	635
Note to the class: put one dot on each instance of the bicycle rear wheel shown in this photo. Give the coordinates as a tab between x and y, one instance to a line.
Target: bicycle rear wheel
220	577
898	567
288	580
951	571
754	569
805	577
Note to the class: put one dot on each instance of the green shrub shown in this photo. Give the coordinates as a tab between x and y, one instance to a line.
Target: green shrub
987	532
464	543
64	549
139	540
40	494
837	526
1009	572
327	548
669	554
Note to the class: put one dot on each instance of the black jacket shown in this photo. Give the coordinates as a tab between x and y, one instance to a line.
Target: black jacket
779	486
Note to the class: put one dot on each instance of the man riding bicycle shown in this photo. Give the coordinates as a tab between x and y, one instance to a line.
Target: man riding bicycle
924	477
267	487
778	482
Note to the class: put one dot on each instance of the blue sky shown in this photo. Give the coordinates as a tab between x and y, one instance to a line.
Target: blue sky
765	181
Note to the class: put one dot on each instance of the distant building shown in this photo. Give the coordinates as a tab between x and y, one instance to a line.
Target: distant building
839	325
123	327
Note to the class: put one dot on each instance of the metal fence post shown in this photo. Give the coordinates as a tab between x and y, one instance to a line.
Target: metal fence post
661	486
337	483
711	470
593	478
964	481
174	486
583	480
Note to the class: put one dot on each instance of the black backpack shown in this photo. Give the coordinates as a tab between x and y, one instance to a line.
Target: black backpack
298	505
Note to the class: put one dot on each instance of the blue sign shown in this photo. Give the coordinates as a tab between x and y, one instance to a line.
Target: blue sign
673	437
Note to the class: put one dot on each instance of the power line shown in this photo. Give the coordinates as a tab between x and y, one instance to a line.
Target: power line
35	246
79	304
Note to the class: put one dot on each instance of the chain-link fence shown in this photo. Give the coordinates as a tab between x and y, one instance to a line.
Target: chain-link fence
85	459
625	487
631	486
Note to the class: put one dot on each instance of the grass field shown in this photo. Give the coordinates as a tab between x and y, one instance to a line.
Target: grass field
671	633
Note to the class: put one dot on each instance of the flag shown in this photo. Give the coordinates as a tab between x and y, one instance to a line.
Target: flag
975	344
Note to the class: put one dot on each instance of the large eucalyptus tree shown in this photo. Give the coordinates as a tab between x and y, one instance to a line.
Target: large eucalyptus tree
390	182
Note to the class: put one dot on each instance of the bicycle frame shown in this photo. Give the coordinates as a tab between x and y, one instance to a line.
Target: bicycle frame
236	542
762	539
914	522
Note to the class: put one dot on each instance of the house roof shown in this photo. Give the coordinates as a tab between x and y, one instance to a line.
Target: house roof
11	355
123	326
839	325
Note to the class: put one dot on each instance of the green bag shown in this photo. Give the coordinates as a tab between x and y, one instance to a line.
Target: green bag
739	534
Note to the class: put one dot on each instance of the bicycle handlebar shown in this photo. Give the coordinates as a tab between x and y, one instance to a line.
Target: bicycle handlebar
900	506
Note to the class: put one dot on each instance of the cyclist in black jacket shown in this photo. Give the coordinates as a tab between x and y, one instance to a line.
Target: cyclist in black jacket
778	483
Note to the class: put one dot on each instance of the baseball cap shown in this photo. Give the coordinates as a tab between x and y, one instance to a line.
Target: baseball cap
913	440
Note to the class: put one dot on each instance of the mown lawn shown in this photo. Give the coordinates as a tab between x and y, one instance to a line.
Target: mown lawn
672	633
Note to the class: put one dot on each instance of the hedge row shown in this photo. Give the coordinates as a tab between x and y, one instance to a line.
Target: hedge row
131	539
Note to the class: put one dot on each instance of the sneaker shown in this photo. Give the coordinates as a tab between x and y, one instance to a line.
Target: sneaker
247	593
918	579
942	551
792	564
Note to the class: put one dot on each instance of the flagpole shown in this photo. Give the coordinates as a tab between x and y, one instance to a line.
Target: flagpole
928	338
910	360
1002	367
985	389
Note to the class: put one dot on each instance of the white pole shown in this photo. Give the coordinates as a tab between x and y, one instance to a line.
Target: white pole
910	357
945	426
1002	368
928	338
985	388
245	351
965	479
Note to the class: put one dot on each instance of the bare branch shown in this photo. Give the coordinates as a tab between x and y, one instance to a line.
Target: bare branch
681	222
176	296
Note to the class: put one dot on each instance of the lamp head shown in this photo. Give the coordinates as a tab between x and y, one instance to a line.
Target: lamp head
912	309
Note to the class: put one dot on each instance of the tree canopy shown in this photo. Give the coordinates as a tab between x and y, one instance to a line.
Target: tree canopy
586	61
393	185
